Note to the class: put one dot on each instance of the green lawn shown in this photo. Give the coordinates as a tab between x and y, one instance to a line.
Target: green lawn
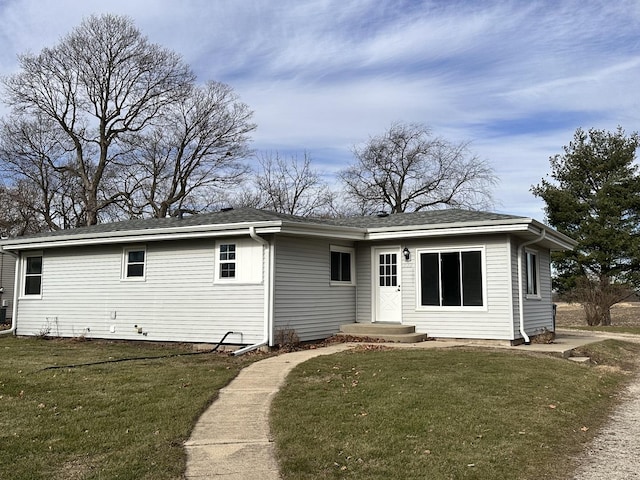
124	420
441	414
609	329
364	414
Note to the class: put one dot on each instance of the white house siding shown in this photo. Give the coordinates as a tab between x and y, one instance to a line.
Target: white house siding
83	294
7	275
304	299
538	312
492	322
364	311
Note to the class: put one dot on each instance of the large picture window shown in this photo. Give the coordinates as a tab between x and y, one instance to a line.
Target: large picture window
33	275
451	279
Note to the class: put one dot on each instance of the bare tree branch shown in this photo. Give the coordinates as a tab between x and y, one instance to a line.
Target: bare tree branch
407	169
101	81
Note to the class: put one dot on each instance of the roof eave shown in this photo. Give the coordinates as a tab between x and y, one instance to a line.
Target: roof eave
142	235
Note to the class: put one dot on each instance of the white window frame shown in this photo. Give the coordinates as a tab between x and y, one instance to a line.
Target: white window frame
352	265
125	264
231	259
23	282
444	308
528	255
249	262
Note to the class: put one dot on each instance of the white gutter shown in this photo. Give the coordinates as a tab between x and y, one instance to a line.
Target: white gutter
268	284
39	243
521	248
14	307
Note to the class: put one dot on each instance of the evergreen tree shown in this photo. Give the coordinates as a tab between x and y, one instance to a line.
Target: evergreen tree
593	195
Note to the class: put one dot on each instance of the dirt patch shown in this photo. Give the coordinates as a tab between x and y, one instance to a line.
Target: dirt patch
623	314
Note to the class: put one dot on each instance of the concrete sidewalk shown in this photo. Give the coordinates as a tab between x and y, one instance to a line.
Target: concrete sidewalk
231	440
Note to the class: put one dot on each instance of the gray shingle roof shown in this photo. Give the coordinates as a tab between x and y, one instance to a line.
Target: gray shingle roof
251	215
428	217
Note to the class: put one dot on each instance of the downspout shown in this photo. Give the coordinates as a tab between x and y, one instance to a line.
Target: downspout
14	307
521	248
267	294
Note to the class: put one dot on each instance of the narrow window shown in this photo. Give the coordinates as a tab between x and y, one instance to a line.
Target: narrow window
33	275
532	273
341	259
430	275
472	279
134	263
450	278
228	260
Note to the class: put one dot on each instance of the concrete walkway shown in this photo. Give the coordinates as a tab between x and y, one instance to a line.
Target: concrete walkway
231	440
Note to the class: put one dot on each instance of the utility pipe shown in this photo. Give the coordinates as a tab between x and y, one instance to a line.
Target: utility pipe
267	294
16	285
521	248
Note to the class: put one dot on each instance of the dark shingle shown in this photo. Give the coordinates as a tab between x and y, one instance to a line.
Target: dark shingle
250	215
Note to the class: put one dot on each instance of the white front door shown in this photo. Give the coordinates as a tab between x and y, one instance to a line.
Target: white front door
387	286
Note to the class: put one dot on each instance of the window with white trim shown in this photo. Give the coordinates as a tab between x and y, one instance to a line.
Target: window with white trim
238	261
134	263
453	278
33	275
531	269
342	265
227	260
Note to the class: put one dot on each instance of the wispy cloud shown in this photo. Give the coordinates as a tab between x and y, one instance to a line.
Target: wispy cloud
515	78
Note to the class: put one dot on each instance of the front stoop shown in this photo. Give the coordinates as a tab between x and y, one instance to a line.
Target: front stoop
388	332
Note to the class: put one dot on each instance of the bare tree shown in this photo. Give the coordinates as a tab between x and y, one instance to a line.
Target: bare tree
194	150
289	185
103	80
407	169
35	158
17	215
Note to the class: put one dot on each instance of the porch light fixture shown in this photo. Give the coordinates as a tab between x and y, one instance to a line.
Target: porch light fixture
406	253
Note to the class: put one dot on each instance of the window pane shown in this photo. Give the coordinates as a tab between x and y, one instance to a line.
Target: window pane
34	265
136	256
532	273
429	277
228	270
335	266
135	270
228	251
345	267
472	279
32	285
450	277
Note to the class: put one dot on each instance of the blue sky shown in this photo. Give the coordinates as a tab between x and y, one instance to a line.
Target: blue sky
514	78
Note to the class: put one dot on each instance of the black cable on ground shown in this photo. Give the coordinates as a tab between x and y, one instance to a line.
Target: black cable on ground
131	359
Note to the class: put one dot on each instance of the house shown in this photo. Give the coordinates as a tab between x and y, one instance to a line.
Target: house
449	273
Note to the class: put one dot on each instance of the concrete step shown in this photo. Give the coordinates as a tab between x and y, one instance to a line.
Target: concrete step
388	332
377	328
389	337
